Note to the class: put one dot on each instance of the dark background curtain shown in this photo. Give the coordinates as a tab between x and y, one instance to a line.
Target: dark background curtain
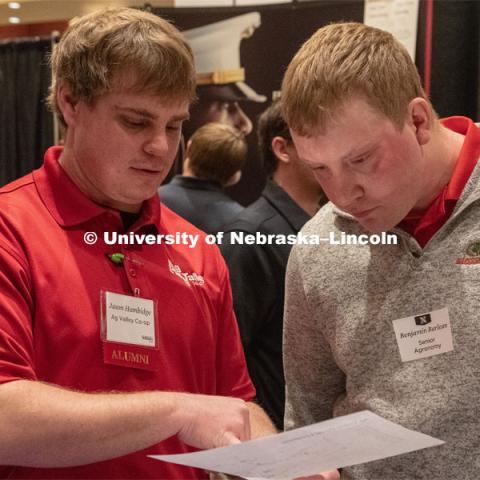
456	58
26	126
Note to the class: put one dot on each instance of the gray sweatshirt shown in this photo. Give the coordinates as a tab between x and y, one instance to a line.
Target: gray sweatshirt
341	353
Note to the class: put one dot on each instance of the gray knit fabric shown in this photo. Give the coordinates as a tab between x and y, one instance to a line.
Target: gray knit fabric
340	351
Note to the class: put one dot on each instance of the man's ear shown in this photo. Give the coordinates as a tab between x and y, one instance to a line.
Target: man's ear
186	166
67	104
421	116
234	179
279	148
189	144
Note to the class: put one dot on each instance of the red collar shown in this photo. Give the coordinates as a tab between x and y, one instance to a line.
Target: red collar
68	205
468	157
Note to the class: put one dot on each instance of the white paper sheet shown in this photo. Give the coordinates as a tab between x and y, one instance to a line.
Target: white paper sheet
349	440
399	17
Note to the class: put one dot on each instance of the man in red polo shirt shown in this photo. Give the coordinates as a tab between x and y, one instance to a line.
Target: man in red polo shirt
389	328
113	349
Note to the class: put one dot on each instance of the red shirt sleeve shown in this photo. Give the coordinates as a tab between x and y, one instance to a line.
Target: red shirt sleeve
16	306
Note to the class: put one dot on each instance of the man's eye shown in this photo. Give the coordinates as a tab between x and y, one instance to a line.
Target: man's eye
134	123
174	128
359	161
232	107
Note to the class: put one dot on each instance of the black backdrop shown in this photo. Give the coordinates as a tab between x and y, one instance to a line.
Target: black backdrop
26	128
455	88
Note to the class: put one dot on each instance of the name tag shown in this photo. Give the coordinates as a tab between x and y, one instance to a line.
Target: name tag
129	320
129	330
423	335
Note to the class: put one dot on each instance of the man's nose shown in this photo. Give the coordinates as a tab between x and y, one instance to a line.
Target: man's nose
347	192
241	122
157	144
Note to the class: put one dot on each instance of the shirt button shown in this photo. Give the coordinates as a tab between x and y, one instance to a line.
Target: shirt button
132	272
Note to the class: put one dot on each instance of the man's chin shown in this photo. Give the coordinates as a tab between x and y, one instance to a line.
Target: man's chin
376	227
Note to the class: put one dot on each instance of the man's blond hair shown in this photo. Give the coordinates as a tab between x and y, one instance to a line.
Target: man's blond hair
342	60
216	152
148	53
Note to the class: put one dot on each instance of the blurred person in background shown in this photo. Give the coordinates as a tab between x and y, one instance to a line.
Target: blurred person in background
215	156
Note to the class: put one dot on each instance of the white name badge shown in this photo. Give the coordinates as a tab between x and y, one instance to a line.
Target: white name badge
424	335
127	319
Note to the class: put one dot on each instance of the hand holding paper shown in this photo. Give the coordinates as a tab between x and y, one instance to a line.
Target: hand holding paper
323	447
212	422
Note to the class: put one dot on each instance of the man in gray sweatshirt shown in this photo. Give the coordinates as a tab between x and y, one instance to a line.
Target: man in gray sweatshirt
389	328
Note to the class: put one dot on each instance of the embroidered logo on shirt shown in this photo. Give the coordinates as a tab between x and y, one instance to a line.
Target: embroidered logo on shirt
472	255
473	250
188	278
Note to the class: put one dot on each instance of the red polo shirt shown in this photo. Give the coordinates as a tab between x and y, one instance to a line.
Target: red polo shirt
422	225
50	284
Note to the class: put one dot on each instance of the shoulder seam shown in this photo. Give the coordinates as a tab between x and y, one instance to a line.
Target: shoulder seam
5	189
17	257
